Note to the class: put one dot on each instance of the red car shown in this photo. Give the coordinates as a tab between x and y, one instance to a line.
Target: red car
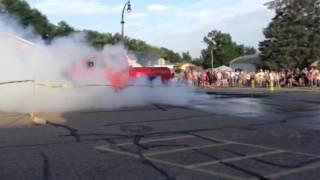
117	72
151	73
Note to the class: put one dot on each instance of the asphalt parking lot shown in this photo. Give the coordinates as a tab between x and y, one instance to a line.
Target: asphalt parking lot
258	136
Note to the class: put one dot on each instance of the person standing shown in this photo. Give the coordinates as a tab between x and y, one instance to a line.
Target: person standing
195	77
190	78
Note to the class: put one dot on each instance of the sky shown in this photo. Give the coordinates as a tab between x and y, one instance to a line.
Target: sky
176	24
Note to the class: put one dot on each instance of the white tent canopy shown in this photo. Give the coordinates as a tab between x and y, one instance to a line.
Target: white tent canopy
223	68
315	63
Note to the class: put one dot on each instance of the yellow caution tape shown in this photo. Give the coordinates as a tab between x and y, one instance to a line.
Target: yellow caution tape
68	86
272	86
55	86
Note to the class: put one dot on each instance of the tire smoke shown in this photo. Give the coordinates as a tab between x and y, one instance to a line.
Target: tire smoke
49	89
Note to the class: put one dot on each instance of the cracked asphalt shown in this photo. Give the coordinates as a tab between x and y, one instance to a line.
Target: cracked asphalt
234	134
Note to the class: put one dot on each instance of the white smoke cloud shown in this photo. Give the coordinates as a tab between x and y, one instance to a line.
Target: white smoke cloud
44	64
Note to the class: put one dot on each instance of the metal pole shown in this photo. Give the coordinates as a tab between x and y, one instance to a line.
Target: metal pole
212	59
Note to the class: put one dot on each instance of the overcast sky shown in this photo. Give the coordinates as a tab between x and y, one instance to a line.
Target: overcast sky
176	24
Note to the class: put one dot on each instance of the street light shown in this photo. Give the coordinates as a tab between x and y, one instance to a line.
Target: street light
212	49
127	6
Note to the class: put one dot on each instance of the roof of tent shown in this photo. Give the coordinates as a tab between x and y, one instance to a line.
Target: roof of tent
223	68
252	59
315	63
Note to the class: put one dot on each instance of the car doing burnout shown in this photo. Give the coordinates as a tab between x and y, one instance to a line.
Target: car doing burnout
115	71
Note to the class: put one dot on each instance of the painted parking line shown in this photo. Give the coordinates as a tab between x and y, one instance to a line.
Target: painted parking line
156	140
108	149
264	147
185	149
198	167
294	171
236	159
105	148
222	175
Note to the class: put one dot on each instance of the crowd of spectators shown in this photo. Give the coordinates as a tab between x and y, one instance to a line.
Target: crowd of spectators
262	78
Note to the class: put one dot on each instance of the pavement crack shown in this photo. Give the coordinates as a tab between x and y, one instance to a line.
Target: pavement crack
159	120
73	131
167	145
204	138
136	142
46	166
159	107
144	160
161	171
110	141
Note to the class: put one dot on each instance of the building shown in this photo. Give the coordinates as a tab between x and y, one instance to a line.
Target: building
249	63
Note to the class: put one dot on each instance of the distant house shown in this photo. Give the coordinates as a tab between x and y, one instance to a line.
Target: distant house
248	63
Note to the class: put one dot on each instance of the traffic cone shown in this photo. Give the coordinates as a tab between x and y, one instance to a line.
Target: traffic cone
253	84
272	86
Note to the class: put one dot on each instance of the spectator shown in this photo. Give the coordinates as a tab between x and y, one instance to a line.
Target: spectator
262	78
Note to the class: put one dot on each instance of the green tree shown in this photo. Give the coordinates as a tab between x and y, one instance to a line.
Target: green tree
29	17
170	55
222	47
62	29
293	36
186	56
197	61
99	40
250	51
